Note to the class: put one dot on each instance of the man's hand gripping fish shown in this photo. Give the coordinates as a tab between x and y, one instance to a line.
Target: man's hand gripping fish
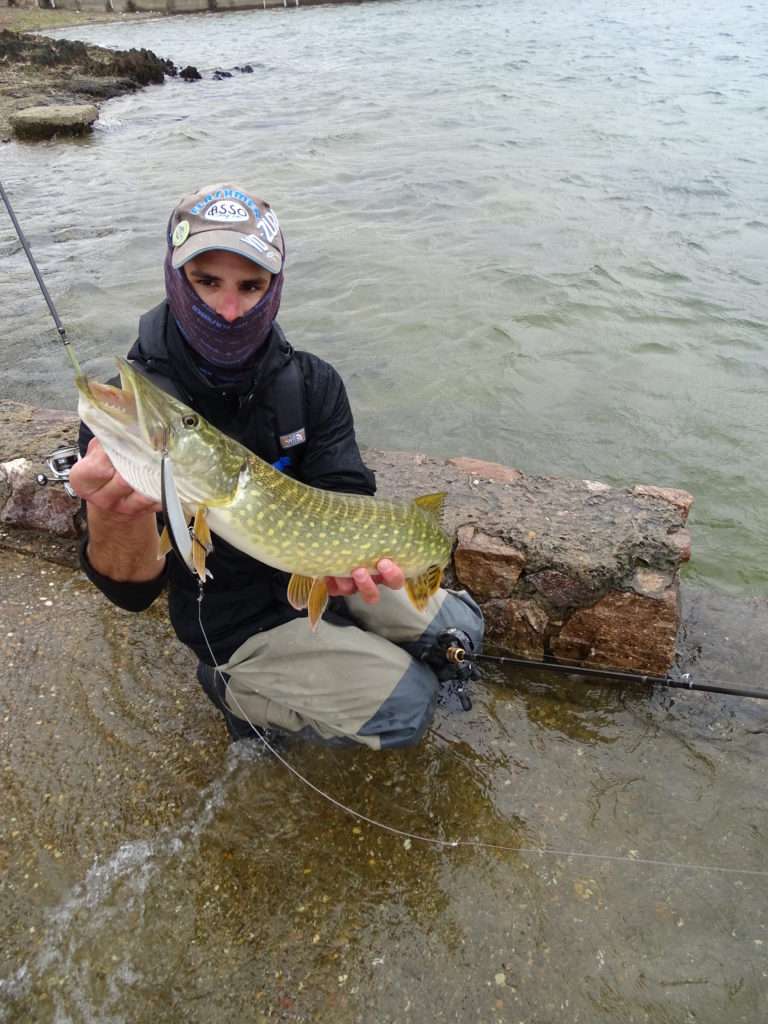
307	532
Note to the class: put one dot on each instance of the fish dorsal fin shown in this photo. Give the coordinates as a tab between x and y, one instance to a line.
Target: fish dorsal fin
421	588
432	504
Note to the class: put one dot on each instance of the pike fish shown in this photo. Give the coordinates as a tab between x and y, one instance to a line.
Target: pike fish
226	489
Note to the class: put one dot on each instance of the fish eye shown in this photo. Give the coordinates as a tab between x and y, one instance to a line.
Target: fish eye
190	420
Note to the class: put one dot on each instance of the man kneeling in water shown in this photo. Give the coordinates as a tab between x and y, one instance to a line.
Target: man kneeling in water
215	343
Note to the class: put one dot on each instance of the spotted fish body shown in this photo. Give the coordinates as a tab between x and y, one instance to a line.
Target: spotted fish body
307	532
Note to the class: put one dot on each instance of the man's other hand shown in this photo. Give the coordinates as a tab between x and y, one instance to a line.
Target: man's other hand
366	585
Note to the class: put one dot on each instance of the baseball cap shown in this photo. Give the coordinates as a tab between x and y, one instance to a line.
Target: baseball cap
226	217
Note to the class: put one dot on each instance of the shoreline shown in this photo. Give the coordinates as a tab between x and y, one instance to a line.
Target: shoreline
37	70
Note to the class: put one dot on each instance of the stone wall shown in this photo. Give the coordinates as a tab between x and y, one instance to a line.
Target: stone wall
570	569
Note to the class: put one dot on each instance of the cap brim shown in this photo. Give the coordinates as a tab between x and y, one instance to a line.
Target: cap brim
229	241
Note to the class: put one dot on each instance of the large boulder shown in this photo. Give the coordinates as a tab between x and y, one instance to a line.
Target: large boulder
45	122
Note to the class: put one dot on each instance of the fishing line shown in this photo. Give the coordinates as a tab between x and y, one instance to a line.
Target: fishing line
449	843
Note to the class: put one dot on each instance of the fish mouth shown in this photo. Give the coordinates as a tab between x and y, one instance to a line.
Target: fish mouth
119	403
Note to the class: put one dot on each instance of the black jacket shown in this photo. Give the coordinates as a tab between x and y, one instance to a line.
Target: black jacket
245	596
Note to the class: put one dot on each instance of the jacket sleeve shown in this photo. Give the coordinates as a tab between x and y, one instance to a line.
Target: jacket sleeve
133	597
332	458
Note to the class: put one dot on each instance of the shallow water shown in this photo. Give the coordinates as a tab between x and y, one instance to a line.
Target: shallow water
533	235
150	872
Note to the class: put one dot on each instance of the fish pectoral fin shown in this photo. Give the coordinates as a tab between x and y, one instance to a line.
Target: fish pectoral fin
421	588
202	544
318	601
432	504
299	588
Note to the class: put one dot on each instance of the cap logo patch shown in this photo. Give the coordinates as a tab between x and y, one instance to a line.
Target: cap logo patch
227	211
180	233
227	193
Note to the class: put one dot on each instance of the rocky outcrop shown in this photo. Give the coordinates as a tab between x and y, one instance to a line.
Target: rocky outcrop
39	72
570	569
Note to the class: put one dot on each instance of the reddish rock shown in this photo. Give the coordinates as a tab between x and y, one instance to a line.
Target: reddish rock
682	500
486	565
486	470
517	625
623	630
30	506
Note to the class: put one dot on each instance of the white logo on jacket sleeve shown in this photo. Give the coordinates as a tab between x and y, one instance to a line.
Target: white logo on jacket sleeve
227	211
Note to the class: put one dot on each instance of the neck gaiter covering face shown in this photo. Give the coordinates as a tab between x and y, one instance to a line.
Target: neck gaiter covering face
227	345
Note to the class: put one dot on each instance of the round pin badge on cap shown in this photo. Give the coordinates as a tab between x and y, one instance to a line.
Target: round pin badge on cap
180	233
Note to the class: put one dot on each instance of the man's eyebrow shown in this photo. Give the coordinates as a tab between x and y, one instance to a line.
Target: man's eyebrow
203	273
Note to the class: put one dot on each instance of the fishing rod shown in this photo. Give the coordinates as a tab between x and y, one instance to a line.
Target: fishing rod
39	278
456	653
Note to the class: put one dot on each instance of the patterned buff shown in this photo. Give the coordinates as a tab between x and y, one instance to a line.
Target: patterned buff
230	346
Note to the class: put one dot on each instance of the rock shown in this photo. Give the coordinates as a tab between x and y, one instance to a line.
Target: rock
30	433
32	506
682	500
102	88
625	631
561	590
218	74
486	566
45	122
190	74
519	626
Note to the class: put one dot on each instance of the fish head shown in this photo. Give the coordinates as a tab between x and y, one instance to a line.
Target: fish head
142	416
